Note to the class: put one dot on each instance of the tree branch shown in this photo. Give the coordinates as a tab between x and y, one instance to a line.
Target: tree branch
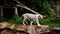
23	6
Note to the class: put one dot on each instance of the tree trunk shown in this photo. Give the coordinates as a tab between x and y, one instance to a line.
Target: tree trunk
16	11
1	11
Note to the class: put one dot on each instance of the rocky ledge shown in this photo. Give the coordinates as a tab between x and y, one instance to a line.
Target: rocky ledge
7	28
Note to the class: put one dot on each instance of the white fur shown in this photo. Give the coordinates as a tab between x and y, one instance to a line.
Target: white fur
34	17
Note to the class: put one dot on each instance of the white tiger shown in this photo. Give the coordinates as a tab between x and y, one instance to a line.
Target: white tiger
34	17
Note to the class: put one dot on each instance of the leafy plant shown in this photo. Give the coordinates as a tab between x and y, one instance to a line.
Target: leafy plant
54	21
2	19
16	19
46	8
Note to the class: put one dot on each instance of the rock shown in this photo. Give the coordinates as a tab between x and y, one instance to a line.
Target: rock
42	29
55	30
45	26
19	33
21	27
7	32
31	29
13	26
4	25
34	29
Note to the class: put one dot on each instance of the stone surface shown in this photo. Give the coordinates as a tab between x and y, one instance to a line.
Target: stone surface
4	25
45	26
7	32
55	30
12	26
31	29
21	27
34	29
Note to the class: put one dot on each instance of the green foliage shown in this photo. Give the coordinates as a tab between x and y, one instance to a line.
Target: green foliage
16	19
54	21
46	8
2	19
